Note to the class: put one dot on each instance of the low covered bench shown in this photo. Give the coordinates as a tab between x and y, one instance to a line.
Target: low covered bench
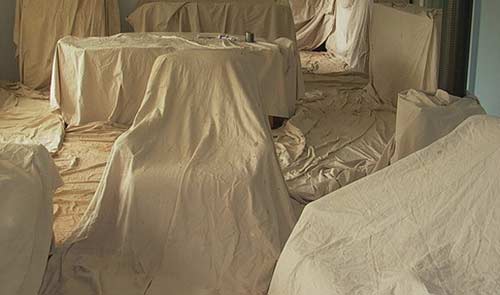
104	79
192	200
28	179
429	224
268	19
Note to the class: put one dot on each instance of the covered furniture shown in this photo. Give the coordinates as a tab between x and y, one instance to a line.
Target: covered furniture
268	19
192	200
39	24
28	179
314	21
429	224
104	79
404	50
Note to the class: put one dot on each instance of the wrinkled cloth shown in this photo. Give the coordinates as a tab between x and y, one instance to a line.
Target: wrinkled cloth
40	24
314	21
336	137
81	162
404	50
28	179
26	113
423	118
349	41
429	224
192	199
266	19
124	61
320	62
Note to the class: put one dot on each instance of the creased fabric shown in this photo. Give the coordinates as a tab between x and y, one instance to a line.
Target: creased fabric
429	224
192	200
40	24
28	178
336	137
404	50
422	118
269	20
124	61
350	40
314	21
26	113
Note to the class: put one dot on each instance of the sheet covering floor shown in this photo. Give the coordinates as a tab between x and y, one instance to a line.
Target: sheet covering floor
337	136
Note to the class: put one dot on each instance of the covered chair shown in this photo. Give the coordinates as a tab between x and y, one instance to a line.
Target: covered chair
428	224
192	200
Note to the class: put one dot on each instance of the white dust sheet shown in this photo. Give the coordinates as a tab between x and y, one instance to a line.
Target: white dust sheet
267	19
337	136
321	62
28	179
428	224
192	199
27	113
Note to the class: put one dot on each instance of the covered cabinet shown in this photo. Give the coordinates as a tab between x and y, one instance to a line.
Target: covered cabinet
39	24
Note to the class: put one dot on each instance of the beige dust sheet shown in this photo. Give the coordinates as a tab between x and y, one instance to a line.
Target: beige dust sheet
192	199
124	61
28	179
27	113
429	224
337	136
40	24
267	19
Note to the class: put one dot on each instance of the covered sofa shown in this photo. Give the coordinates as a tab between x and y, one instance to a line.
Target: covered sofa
428	224
192	200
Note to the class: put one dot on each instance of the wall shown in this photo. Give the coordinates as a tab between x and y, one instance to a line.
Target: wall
8	66
126	7
484	76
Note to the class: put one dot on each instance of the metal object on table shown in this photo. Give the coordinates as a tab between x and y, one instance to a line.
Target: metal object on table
249	37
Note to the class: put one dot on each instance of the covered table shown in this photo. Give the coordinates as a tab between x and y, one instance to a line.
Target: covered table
268	19
104	79
429	224
28	179
192	200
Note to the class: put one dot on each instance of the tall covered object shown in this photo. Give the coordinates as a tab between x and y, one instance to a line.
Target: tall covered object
40	24
404	49
192	200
